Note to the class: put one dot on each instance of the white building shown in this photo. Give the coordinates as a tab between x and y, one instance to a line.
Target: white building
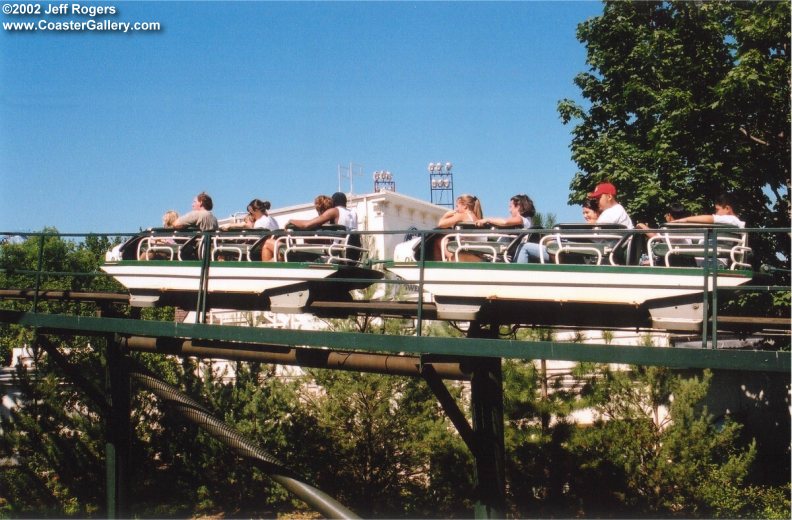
385	211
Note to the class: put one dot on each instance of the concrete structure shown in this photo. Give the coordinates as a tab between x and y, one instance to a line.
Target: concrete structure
11	394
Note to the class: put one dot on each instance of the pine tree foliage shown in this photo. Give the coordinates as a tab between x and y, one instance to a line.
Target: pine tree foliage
390	451
679	464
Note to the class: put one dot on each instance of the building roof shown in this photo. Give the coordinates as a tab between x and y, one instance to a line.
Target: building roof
390	196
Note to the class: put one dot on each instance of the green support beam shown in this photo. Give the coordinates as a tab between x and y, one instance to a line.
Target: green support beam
486	403
449	405
119	430
764	361
486	406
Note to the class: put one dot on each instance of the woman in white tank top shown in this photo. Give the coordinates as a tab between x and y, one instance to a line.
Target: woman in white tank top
521	213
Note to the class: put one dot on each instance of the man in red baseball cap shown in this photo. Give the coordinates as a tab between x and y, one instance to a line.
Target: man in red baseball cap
605	188
611	211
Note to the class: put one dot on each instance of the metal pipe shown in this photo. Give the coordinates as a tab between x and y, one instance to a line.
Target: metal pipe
451	348
486	404
194	412
705	303
203	289
714	312
285	355
49	294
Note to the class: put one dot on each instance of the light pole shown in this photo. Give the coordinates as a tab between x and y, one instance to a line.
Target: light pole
383	181
441	184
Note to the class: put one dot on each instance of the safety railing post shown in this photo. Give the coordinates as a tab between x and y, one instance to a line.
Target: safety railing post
39	266
421	263
705	265
714	309
203	288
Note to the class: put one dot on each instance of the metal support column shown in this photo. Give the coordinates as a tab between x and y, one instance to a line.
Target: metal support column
486	401
117	430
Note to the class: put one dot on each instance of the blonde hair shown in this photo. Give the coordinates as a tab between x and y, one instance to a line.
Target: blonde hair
472	203
169	218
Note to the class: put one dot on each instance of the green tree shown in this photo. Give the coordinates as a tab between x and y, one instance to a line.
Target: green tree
537	409
66	265
56	444
685	463
182	471
685	100
544	220
55	437
389	451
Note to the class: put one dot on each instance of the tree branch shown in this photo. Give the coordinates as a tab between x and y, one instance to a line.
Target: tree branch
752	138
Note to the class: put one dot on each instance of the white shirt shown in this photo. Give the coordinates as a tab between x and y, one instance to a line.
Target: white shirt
730	220
266	222
615	215
347	218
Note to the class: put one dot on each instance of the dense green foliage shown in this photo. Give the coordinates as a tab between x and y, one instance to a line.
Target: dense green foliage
684	101
388	450
19	263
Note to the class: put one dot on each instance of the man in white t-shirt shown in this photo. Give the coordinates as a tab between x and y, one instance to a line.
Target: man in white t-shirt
346	217
724	214
611	211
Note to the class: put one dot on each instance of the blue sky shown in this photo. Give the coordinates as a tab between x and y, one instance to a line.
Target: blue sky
104	132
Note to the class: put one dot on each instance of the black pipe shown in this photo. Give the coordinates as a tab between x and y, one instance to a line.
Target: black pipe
50	294
193	411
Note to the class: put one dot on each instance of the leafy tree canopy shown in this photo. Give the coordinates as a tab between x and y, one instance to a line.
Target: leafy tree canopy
686	100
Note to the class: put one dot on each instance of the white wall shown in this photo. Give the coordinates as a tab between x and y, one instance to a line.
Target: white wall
383	211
